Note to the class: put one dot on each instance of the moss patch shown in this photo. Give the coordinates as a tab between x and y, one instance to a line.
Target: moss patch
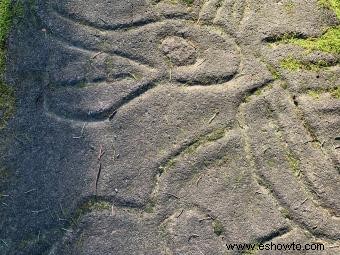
188	2
293	64
150	206
91	205
5	24
218	227
335	92
5	19
289	7
276	75
294	164
285	213
316	93
331	4
328	42
8	12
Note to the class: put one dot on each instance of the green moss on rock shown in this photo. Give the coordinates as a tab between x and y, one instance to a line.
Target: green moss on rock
293	64
91	205
328	42
150	206
289	7
316	93
7	13
331	4
5	24
276	75
335	92
294	164
188	2
5	19
218	227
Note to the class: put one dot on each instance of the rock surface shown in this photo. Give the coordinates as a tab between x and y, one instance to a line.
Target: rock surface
169	127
